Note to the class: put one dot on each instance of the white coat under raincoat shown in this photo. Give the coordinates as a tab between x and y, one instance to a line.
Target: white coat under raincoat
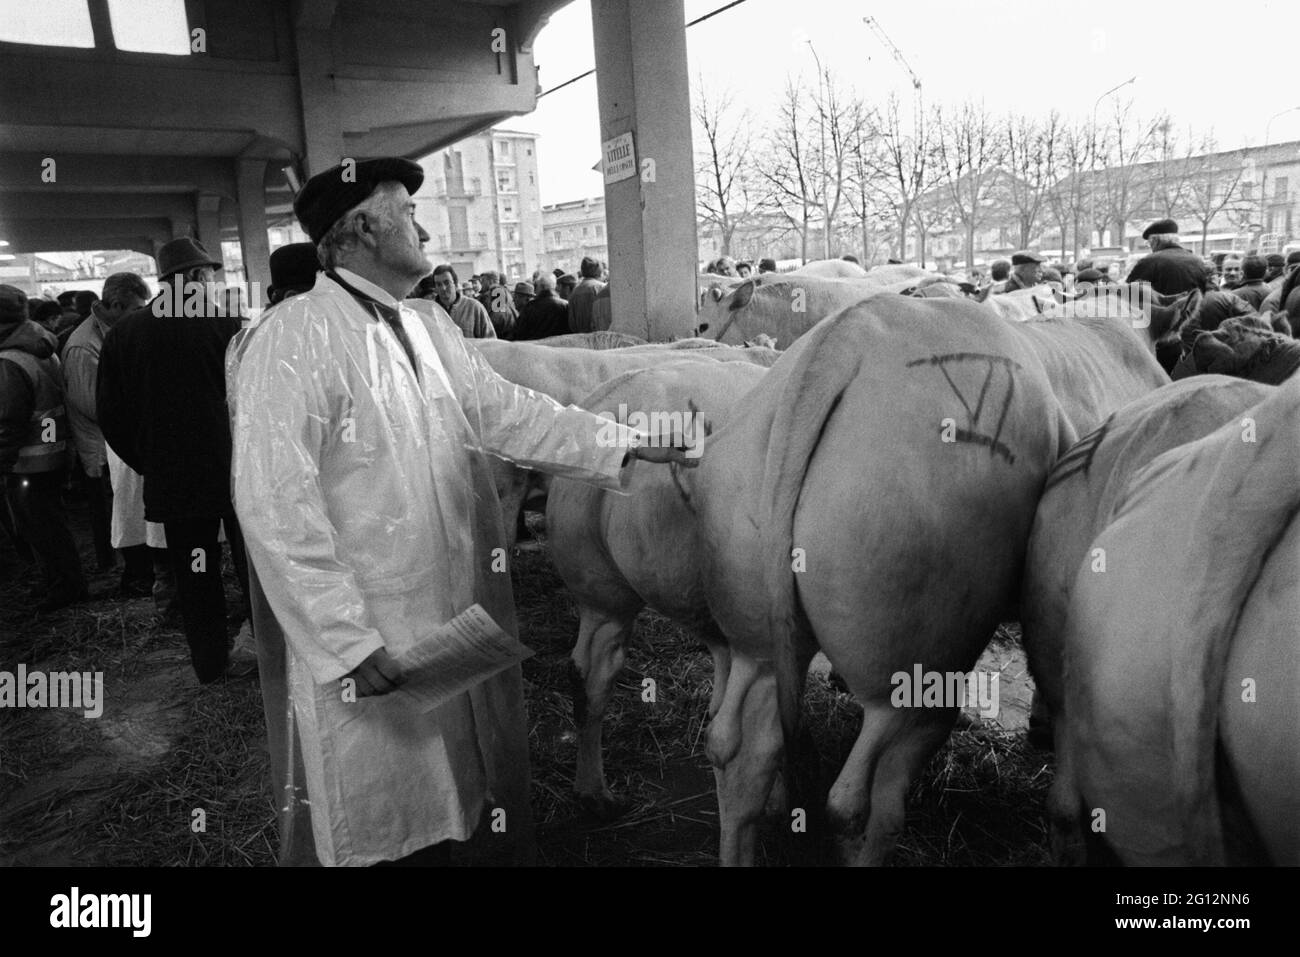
370	518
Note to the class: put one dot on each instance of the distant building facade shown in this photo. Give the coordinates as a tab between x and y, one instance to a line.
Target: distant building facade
573	230
481	205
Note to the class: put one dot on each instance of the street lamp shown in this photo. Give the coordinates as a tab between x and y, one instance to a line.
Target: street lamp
1263	175
1092	175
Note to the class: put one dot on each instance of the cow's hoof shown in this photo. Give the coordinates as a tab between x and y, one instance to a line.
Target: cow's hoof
1039	736
603	807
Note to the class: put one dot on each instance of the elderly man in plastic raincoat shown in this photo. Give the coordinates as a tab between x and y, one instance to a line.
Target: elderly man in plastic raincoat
370	517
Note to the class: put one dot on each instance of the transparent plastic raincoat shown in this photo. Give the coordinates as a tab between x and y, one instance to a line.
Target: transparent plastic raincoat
370	517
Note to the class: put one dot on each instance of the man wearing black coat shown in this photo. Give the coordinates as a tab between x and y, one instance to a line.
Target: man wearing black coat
545	315
1170	269
161	399
1252	287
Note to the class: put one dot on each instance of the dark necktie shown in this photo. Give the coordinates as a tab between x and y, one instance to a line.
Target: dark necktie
389	314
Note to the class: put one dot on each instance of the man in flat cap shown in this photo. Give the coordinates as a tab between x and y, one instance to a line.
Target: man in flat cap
1026	271
1170	269
161	400
363	425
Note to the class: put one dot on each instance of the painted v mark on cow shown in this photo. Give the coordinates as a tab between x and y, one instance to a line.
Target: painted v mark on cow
1079	456
989	389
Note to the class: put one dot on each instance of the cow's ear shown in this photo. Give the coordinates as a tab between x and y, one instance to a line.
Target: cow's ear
742	295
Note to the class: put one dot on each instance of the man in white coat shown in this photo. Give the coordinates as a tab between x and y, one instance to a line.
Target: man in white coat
361	480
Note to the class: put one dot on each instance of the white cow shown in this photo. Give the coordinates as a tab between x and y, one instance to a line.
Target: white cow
1181	726
1080	495
873	498
618	553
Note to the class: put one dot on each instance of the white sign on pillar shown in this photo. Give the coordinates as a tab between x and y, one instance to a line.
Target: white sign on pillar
618	157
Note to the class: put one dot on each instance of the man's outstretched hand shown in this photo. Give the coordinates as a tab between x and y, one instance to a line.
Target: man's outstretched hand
378	674
664	454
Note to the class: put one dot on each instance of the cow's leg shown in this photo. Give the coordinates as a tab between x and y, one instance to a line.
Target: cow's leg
597	660
721	654
1067	842
745	749
1040	722
866	807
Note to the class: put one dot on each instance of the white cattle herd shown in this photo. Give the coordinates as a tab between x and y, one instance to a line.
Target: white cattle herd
912	470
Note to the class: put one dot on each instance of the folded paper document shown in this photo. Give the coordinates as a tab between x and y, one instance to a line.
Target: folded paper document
464	652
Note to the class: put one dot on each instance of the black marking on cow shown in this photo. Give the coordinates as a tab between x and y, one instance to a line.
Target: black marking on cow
971	433
1079	456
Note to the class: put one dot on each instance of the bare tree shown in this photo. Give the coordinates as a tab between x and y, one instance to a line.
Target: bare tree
1068	195
788	171
724	161
868	202
840	115
903	162
1031	161
1125	142
1169	179
1214	186
969	153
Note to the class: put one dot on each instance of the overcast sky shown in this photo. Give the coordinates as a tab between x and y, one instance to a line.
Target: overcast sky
1209	65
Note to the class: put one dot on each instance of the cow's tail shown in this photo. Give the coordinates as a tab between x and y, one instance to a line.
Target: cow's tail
823	370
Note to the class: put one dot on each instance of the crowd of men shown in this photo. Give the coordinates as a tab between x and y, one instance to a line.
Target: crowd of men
550	304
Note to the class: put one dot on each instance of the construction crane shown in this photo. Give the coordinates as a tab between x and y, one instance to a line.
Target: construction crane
888	44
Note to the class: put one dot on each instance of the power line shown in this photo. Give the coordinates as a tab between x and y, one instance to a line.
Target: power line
580	76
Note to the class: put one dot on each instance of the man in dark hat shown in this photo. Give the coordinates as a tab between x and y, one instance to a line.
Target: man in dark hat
565	285
1276	267
544	314
293	271
580	315
362	428
523	294
36	448
1170	269
161	400
1026	271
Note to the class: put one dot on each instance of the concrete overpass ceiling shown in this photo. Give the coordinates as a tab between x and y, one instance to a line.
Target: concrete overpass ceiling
129	129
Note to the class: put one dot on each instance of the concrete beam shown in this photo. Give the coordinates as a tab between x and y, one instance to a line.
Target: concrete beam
87	173
120	206
642	88
33	236
253	241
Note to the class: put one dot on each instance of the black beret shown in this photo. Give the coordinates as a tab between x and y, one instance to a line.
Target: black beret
328	195
1275	259
1160	226
1088	275
1024	257
294	266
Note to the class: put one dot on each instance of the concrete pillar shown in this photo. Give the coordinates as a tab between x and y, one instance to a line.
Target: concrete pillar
643	87
250	182
207	212
322	131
